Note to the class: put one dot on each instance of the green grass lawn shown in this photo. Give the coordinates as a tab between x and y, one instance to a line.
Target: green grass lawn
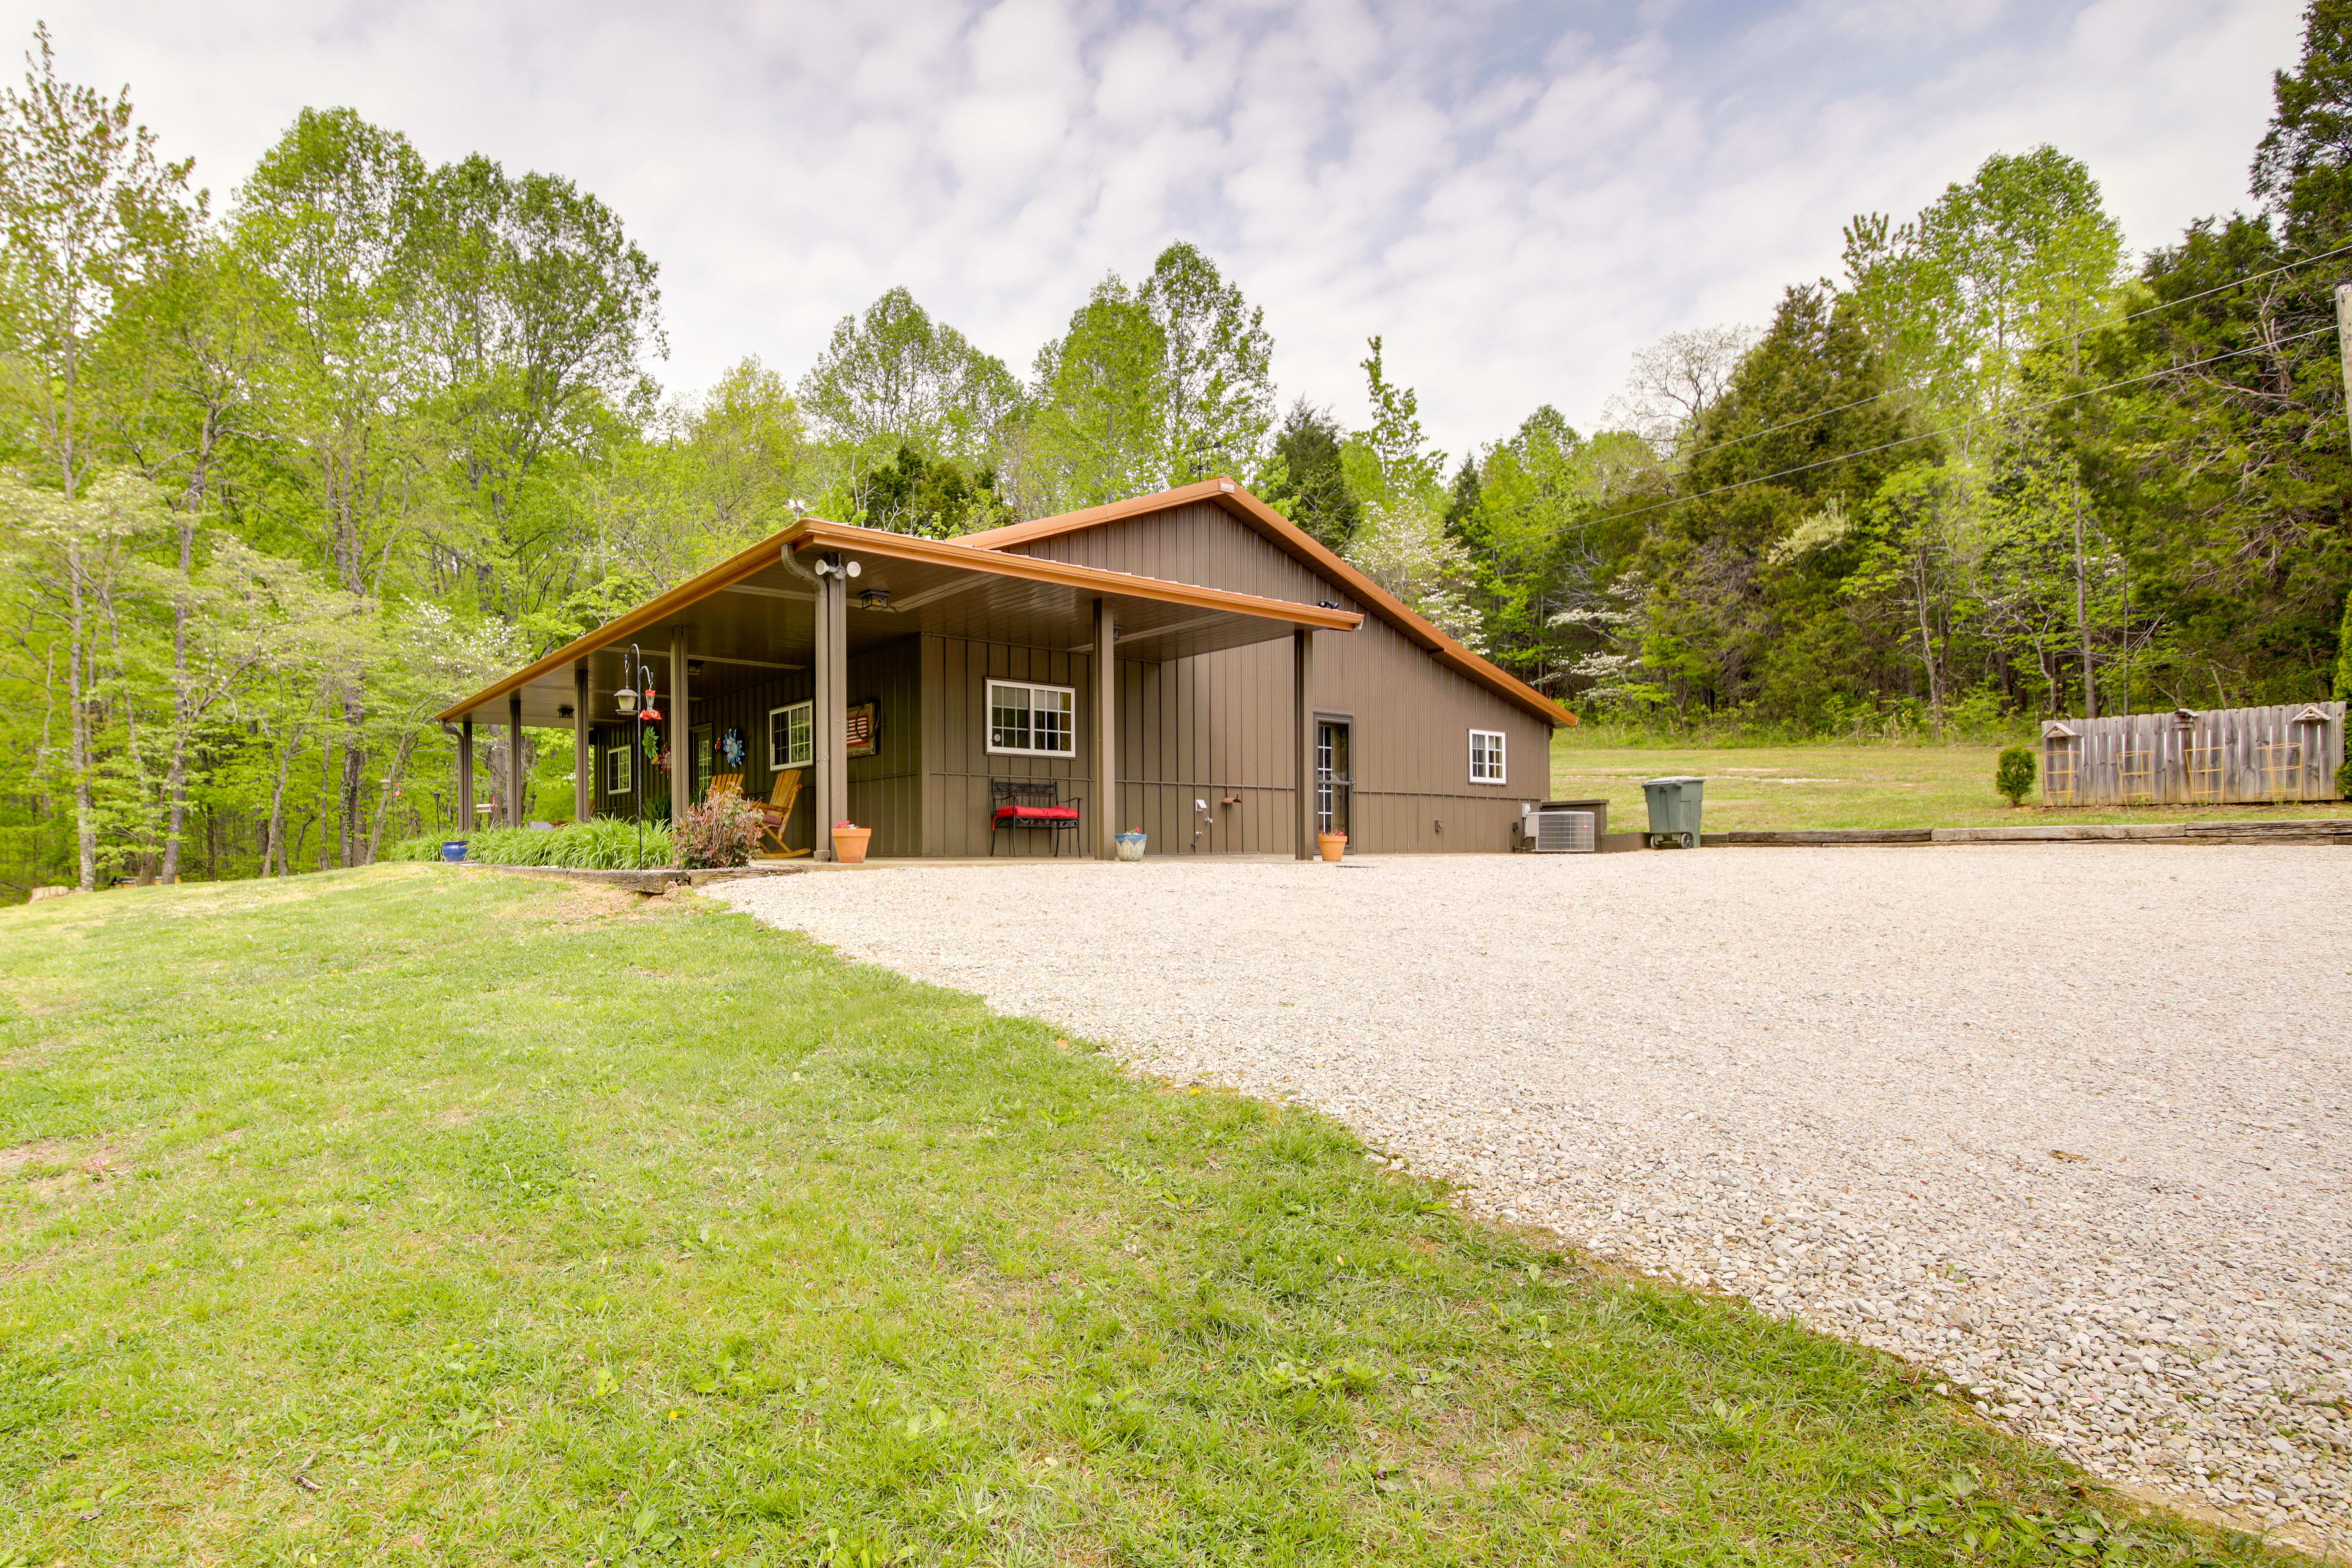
416	1216
1833	785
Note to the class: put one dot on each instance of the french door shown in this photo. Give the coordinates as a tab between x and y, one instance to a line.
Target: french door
1334	778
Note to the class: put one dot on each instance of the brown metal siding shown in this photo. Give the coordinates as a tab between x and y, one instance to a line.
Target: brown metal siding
885	790
1221	722
955	803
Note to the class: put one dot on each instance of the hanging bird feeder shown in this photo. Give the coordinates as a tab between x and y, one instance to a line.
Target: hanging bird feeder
625	700
652	715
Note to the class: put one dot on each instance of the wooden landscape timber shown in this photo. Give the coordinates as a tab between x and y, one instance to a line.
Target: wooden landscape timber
2224	756
2306	830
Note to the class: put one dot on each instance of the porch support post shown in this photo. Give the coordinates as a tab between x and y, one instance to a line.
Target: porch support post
681	729
1106	732
583	760
830	715
1302	709
516	812
465	777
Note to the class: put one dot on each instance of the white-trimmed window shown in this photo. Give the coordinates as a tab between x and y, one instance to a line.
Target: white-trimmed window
792	735
1487	756
1033	720
616	771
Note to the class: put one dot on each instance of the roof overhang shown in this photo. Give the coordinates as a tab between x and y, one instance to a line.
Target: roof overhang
753	615
1239	503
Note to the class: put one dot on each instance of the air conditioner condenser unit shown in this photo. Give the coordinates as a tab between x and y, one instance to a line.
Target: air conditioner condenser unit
1557	831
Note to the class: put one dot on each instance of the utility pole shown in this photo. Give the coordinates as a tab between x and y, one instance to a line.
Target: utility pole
2344	339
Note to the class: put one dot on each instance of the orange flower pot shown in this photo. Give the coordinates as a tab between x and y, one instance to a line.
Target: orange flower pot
849	844
1332	844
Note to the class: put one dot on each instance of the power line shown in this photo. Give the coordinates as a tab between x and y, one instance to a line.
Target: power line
1972	424
1966	425
2030	348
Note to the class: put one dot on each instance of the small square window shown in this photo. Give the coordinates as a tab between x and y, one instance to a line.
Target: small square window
1032	720
616	771
792	735
1487	756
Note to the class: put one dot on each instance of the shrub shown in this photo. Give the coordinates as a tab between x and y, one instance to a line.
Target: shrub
721	831
603	844
2013	774
2343	774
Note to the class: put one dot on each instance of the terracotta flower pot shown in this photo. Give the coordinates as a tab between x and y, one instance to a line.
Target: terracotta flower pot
1332	844
849	844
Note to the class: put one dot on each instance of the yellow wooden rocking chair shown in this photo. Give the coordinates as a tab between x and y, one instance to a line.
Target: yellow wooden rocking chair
775	814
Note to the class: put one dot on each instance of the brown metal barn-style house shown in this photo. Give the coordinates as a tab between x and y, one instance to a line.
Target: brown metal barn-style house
951	696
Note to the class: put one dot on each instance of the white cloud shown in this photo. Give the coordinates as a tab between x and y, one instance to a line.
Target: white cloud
1515	198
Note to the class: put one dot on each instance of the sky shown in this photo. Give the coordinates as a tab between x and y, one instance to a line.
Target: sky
1515	197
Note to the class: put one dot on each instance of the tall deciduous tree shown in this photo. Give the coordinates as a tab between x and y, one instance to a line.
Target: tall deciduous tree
536	311
1215	379
1093	434
896	376
2021	255
89	214
1153	385
331	219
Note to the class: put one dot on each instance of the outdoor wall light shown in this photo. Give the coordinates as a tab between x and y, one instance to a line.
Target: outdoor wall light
873	599
565	712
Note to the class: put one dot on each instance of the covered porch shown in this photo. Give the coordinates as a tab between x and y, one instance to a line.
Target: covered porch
898	682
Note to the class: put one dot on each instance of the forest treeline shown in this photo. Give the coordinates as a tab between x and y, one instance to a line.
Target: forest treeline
282	473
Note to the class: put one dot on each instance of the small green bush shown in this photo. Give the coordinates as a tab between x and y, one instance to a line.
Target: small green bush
2344	779
2013	774
721	831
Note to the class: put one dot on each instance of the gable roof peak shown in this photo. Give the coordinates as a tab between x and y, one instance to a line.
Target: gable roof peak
1230	497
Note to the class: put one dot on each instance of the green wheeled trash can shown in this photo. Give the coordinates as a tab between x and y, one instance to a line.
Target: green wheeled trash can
1673	811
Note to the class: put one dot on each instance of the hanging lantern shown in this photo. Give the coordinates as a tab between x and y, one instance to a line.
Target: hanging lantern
625	700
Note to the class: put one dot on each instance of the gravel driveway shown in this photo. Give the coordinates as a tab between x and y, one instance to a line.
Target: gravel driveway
2068	1121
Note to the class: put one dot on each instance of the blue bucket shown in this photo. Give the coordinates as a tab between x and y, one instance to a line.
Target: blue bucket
454	850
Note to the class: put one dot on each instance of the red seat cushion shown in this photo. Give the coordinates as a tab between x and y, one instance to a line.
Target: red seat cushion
1036	813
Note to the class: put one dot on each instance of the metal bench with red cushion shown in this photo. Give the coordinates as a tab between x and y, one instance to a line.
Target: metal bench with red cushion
1031	802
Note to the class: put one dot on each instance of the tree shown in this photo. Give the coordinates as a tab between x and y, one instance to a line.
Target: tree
1309	484
933	496
1152	386
1738	607
1391	463
1215	378
1674	381
78	555
895	376
1922	547
2221	472
331	220
2303	169
1095	431
89	216
534	311
2022	255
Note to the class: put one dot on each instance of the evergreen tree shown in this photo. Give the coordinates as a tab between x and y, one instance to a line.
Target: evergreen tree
1311	483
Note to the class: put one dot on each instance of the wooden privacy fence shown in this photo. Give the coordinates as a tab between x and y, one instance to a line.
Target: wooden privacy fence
2230	754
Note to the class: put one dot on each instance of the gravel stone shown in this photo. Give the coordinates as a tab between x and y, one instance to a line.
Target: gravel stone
2068	1123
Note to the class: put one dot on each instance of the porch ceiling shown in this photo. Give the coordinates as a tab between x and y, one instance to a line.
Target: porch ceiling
753	617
